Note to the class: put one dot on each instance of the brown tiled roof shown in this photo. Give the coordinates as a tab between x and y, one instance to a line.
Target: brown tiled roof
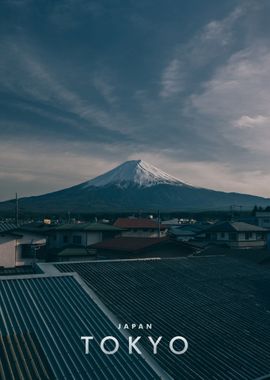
130	244
137	223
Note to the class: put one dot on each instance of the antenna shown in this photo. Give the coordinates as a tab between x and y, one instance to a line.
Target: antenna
17	211
158	223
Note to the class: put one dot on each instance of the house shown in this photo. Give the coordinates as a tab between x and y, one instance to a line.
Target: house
81	234
141	227
18	247
263	219
140	247
187	232
237	234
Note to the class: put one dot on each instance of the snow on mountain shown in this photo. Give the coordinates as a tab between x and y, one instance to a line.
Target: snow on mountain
135	172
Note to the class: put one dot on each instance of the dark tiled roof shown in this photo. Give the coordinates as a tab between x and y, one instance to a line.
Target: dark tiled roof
137	223
56	312
221	305
235	227
129	244
6	226
74	251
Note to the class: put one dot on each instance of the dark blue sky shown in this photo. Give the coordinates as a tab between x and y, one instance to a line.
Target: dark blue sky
85	85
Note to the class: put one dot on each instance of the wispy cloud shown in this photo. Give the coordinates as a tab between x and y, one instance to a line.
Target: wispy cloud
214	39
23	74
172	79
246	121
196	104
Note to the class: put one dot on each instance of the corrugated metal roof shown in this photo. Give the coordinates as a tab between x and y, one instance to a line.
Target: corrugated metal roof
41	322
221	306
7	226
22	357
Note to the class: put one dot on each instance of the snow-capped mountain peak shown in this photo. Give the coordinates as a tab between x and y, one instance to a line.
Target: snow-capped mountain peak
135	172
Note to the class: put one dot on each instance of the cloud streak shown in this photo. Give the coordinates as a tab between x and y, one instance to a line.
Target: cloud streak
81	83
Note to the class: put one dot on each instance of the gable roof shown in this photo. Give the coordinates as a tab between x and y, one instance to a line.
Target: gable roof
235	227
138	223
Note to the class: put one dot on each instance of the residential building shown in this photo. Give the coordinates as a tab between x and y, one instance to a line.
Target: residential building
141	227
81	234
263	219
18	247
187	232
237	235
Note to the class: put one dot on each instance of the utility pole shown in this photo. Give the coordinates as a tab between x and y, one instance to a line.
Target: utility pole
17	211
158	223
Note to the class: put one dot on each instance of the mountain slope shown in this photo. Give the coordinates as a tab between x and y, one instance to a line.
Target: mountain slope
132	186
137	172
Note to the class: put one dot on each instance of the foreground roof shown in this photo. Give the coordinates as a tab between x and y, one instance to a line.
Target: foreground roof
130	244
41	323
235	227
221	305
137	223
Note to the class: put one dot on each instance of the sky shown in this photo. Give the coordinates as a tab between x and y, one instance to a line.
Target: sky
86	85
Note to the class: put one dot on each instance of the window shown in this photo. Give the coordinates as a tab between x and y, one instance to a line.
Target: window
248	235
77	239
65	239
222	235
259	236
27	251
233	236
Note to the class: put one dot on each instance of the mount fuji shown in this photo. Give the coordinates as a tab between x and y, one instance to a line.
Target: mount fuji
132	186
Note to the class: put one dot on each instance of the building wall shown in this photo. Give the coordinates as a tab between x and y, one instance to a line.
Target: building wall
7	251
11	249
28	239
64	238
239	239
248	244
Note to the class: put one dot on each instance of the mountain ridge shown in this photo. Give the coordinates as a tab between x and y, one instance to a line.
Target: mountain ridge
132	186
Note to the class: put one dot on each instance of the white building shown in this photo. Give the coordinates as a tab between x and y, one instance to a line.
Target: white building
237	235
81	234
19	248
